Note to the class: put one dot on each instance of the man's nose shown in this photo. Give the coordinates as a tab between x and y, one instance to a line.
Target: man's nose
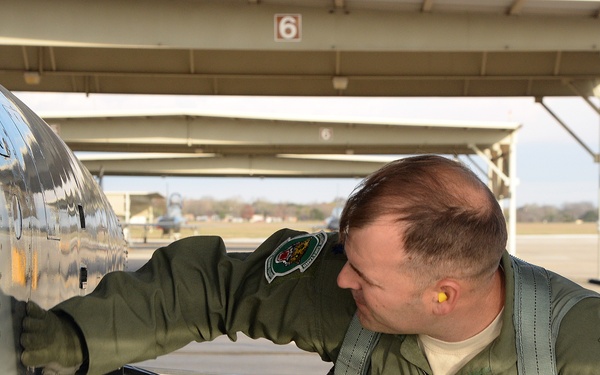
346	278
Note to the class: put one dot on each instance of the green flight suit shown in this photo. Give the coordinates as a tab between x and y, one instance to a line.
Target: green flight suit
192	290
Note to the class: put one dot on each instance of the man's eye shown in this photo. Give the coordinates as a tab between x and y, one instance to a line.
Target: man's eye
368	282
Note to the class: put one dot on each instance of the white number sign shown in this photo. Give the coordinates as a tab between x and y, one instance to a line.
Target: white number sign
288	27
326	134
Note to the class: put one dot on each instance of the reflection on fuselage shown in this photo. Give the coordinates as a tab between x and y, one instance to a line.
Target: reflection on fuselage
58	233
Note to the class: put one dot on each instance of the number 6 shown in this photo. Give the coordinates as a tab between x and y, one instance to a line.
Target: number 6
288	27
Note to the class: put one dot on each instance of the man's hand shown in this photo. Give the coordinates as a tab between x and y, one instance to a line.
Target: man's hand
50	341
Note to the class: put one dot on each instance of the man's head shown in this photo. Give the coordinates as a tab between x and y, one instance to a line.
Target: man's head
451	220
420	223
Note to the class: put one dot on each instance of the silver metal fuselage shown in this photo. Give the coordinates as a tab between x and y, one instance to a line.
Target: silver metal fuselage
58	233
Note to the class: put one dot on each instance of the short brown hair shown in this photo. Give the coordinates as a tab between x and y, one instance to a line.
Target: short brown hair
451	220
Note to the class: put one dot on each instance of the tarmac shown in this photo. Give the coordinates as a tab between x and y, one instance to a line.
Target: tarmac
573	256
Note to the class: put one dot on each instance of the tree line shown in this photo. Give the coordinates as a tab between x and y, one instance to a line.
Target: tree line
214	209
565	213
208	208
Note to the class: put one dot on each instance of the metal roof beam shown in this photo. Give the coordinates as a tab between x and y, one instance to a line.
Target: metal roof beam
223	135
235	166
595	156
198	25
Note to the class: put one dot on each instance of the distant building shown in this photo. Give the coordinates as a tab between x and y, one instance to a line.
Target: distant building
133	207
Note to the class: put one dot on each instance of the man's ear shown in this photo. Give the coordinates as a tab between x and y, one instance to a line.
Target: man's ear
444	296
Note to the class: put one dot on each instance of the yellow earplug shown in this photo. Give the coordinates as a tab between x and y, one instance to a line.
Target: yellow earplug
442	297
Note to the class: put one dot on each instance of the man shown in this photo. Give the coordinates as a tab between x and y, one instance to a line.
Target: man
420	258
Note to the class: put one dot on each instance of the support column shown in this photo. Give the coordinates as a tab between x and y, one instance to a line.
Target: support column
512	201
510	182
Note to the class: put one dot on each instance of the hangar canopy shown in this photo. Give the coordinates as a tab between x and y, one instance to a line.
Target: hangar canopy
204	144
302	47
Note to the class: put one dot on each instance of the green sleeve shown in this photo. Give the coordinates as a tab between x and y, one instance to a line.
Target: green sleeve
578	342
192	290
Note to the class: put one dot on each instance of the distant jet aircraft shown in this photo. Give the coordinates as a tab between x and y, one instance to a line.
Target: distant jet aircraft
173	220
332	222
58	233
170	224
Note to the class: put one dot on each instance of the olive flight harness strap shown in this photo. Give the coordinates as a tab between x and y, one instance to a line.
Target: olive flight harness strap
355	354
534	297
535	338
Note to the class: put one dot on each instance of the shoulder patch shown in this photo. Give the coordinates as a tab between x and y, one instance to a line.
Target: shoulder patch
295	253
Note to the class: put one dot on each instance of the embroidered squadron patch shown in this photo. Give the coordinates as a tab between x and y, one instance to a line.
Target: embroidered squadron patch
295	253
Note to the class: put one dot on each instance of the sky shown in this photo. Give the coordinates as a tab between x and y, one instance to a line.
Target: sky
552	168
